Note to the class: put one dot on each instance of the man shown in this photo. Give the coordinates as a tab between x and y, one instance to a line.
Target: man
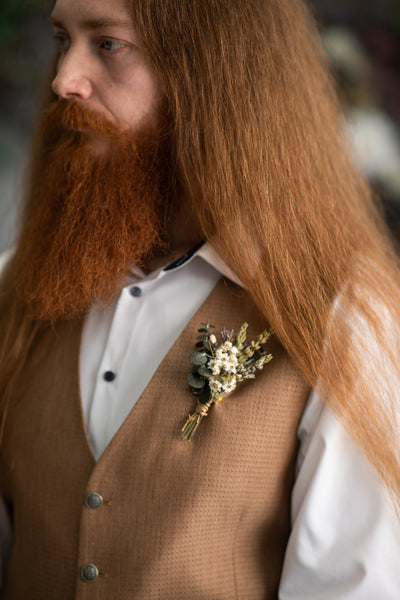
173	123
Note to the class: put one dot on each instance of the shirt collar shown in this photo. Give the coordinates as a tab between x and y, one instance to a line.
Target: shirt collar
205	251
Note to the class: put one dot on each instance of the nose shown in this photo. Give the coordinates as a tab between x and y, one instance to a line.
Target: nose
72	79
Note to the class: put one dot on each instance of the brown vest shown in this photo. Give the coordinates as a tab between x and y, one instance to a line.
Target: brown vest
205	520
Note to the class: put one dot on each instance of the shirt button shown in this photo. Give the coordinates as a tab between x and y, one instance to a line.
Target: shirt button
94	500
109	376
89	572
136	291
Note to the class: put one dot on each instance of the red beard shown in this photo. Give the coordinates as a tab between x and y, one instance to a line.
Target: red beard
90	215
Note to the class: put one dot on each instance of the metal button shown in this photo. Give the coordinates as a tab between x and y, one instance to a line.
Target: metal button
89	572
109	376
136	291
94	500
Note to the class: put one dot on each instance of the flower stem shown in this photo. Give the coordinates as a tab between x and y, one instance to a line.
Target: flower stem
193	421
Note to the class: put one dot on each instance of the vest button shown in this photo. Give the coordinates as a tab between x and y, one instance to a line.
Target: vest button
89	572
93	500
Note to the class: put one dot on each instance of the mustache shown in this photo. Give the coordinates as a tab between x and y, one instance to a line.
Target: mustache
69	117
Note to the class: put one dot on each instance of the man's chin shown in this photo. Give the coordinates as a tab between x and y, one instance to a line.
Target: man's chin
96	144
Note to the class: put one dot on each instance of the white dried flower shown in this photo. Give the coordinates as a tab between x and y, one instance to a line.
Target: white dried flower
230	386
224	359
215	365
215	385
219	353
227	346
213	339
231	365
233	360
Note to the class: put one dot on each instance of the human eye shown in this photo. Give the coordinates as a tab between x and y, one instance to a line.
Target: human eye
62	41
110	45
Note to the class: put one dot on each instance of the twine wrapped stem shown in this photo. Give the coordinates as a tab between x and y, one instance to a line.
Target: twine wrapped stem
189	428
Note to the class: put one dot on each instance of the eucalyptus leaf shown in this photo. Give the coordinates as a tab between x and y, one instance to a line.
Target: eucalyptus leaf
196	381
204	371
198	358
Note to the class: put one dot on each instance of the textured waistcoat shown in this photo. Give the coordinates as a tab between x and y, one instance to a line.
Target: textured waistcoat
201	520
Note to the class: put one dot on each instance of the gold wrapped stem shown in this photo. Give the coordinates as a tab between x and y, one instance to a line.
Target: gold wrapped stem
193	421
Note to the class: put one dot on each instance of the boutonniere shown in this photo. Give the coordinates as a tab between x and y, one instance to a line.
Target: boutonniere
218	367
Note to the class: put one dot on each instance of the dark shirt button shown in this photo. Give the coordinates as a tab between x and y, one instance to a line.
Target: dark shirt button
109	376
94	500
135	291
89	572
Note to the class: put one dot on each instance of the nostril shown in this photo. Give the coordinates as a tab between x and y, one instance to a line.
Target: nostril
75	87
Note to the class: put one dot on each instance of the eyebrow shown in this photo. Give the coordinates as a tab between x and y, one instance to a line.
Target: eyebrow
94	24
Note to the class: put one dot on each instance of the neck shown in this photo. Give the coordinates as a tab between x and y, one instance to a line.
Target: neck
183	234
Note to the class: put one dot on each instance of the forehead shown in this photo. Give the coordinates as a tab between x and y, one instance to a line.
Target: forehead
92	13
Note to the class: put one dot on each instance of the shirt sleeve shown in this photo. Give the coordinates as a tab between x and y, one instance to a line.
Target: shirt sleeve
345	540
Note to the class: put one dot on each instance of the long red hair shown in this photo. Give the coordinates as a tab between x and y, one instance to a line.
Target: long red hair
261	157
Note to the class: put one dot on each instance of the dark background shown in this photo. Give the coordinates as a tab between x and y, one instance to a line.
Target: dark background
362	38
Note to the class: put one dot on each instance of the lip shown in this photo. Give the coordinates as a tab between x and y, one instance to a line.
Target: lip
79	129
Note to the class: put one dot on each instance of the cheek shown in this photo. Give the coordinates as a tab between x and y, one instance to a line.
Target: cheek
143	96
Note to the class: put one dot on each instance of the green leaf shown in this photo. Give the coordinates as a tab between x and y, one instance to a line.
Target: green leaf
198	358
207	347
196	381
204	372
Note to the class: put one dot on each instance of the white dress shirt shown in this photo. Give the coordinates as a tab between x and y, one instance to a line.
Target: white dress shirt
345	540
123	345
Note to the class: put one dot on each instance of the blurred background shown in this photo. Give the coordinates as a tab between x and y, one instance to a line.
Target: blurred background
361	37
